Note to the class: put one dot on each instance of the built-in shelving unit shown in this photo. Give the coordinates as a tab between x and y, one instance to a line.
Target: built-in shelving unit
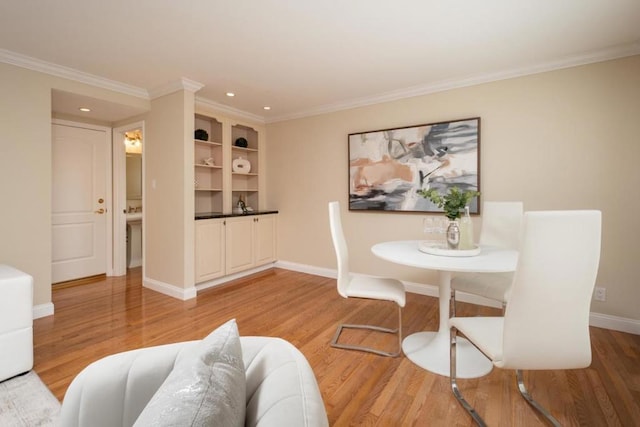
245	185
208	165
227	242
218	187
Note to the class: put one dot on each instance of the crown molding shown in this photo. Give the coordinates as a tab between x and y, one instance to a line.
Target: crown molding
574	61
174	86
191	85
206	103
34	64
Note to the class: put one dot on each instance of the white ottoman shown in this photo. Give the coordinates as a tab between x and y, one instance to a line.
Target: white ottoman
16	322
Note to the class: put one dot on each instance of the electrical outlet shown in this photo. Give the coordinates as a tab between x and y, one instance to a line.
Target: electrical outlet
600	294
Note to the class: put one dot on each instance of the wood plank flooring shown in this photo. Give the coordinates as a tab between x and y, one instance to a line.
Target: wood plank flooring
359	389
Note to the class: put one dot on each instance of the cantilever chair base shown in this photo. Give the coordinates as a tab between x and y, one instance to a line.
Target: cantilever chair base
371	288
398	330
525	393
470	409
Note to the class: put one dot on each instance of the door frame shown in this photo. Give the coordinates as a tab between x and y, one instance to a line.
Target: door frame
109	188
120	197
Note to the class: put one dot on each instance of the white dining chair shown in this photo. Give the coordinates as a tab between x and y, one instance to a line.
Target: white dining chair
500	227
352	286
546	320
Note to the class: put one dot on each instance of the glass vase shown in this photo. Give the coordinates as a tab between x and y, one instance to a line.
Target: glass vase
453	234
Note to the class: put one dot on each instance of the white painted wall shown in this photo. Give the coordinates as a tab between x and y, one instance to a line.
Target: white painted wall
566	139
25	168
25	176
169	199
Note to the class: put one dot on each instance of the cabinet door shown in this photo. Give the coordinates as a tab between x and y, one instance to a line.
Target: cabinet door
239	244
210	247
265	239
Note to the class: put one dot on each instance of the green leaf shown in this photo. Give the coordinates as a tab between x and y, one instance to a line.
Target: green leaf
452	203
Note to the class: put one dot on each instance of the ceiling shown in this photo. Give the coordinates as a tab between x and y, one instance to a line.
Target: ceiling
307	57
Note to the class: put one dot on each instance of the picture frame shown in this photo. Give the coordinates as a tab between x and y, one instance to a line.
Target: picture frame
387	167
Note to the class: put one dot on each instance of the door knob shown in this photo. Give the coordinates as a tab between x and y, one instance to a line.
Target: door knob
99	211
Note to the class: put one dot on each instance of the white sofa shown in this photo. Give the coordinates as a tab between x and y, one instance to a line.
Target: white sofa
281	389
16	322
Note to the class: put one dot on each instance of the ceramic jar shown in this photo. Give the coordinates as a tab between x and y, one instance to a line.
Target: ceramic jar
241	165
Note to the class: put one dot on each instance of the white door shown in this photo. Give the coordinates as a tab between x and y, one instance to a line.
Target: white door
79	191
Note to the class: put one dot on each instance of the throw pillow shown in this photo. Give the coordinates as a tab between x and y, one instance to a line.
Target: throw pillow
208	387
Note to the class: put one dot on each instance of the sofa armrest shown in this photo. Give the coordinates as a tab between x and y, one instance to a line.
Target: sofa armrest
281	386
111	392
114	390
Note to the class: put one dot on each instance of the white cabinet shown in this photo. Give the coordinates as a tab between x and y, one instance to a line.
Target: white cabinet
231	245
264	239
239	244
210	249
251	242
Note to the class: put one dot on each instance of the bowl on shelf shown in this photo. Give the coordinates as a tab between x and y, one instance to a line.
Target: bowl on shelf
201	134
242	143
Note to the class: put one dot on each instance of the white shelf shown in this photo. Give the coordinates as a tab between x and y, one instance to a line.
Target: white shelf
200	141
234	147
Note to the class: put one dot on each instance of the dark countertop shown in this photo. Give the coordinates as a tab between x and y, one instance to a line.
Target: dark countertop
211	215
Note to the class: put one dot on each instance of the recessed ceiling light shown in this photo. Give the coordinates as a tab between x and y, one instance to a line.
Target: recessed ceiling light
84	109
266	107
231	94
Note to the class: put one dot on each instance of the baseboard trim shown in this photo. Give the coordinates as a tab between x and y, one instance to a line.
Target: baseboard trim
615	323
43	310
309	269
225	279
170	290
598	320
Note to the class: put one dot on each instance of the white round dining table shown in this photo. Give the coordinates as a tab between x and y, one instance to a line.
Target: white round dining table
430	350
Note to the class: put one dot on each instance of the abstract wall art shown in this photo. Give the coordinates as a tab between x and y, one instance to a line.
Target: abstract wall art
387	167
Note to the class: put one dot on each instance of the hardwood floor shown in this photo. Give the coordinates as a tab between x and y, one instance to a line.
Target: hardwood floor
117	314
